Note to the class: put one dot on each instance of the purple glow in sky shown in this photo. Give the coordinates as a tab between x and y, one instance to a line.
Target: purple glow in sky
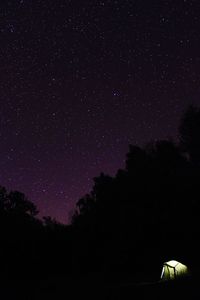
80	80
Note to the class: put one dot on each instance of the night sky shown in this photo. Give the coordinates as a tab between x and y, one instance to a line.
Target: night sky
81	80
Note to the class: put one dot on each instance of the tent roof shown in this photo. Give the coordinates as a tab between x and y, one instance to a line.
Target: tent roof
172	263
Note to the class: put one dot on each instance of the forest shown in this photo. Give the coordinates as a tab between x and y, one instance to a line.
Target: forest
128	224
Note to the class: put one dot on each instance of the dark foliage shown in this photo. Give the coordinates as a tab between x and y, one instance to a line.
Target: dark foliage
148	212
129	223
189	134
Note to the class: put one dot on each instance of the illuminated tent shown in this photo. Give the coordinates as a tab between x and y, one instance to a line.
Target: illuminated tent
173	269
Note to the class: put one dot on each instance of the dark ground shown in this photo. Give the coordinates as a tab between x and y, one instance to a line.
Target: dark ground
97	287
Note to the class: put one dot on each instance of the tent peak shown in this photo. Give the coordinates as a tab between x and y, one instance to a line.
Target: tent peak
172	263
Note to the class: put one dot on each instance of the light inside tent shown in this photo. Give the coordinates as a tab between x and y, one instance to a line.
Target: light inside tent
173	269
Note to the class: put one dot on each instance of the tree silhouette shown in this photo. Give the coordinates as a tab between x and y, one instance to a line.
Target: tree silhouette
143	214
16	202
189	131
3	199
20	204
149	206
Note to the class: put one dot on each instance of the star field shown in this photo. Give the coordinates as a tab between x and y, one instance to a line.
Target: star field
80	80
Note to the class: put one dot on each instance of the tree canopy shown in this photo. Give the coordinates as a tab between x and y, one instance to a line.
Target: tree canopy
147	213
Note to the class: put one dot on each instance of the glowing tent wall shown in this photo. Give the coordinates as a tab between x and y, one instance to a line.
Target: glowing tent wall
173	269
